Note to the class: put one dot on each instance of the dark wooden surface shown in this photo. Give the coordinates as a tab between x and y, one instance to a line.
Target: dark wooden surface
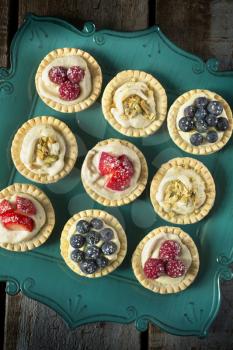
202	27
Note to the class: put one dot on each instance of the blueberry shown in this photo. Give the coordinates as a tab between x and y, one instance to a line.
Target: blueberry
77	241
107	234
102	261
201	102
215	107
186	124
88	266
200	113
189	111
196	139
212	136
201	126
93	237
83	226
97	223
222	124
93	252
77	255
109	248
211	120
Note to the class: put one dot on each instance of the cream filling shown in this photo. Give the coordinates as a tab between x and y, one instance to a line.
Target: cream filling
11	236
51	90
27	153
115	239
192	182
151	250
124	91
92	177
186	135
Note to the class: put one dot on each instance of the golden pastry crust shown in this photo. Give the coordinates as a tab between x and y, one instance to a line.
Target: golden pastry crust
142	181
160	100
109	220
201	170
96	75
154	285
70	155
45	231
174	132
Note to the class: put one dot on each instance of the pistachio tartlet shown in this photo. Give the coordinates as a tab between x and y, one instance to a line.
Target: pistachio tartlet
114	172
166	260
26	217
44	149
200	122
68	80
134	103
93	243
182	191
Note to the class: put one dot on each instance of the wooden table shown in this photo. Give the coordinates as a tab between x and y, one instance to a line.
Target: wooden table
199	26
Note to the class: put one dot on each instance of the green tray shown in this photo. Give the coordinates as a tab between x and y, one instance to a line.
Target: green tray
41	274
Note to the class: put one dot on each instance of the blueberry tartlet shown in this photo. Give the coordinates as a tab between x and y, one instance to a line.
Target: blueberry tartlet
93	243
26	217
166	260
182	191
68	80
134	103
44	149
200	122
114	172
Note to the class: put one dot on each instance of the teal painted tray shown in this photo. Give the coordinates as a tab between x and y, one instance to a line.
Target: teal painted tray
41	274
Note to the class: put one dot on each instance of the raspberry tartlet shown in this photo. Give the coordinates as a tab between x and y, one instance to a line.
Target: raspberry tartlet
200	122
93	243
166	260
134	103
68	80
44	149
26	217
114	172
182	191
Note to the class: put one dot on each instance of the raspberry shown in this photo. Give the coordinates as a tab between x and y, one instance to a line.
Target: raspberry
58	74
154	268
169	249
175	268
75	74
69	91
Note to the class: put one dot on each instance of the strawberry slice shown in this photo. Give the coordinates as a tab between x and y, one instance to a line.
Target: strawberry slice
107	163
126	167
117	183
15	221
25	206
5	206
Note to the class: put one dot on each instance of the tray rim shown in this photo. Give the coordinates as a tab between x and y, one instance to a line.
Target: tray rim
14	286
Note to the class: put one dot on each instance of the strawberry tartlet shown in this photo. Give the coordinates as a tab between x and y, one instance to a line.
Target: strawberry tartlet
26	217
68	80
114	172
166	260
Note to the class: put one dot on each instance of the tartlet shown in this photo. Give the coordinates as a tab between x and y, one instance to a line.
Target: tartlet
166	260
114	172
182	191
134	103
44	149
26	217
200	122
93	243
68	80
